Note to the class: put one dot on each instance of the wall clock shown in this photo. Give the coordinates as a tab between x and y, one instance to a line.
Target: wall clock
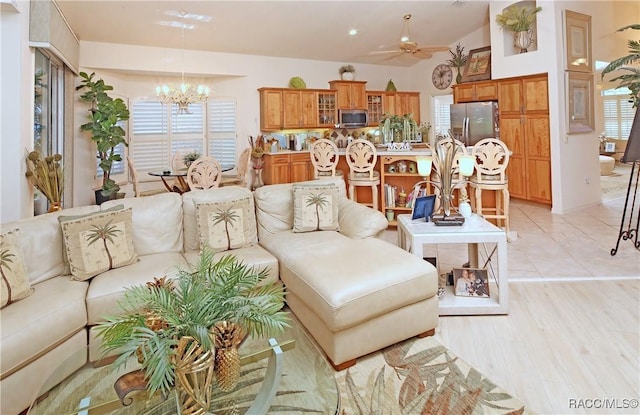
442	76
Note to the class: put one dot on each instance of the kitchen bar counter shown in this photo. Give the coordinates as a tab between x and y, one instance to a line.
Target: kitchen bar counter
381	152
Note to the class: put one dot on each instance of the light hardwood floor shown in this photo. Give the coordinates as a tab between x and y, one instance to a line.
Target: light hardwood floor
573	329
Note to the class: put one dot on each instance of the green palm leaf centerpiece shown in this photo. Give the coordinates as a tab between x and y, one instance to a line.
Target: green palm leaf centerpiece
190	306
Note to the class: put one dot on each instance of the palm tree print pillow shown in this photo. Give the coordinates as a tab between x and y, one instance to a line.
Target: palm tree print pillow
15	285
315	208
224	225
98	242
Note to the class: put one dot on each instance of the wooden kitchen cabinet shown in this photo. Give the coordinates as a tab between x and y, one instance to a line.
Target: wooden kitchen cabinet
350	94
300	108
271	109
288	108
375	107
475	91
287	167
408	103
524	127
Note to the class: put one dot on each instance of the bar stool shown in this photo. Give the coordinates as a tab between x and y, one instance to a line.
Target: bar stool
324	158
362	157
492	158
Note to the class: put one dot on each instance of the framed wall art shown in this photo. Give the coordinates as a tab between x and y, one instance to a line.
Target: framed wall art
579	102
577	39
478	67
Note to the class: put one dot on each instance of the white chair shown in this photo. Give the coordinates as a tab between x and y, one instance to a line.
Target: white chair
492	159
324	158
362	157
136	186
239	179
177	162
204	173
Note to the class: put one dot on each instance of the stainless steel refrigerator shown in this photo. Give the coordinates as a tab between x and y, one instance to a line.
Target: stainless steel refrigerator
473	121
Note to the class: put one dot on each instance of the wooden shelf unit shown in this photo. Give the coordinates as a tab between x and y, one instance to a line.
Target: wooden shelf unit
396	179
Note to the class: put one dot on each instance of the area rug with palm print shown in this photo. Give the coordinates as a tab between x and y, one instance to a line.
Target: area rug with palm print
420	376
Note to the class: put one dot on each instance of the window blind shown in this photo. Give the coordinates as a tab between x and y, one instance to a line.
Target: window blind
618	113
442	117
158	132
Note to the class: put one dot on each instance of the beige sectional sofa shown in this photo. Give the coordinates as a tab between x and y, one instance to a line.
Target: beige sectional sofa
354	292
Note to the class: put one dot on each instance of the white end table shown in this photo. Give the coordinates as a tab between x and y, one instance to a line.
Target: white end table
413	235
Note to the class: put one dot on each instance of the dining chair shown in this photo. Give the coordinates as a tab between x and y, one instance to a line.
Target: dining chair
492	158
136	186
324	158
362	157
204	173
177	162
239	179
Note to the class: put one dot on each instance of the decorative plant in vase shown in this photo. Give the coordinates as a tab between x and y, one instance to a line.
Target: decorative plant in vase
105	119
46	175
197	319
519	19
190	158
458	60
397	128
347	72
628	63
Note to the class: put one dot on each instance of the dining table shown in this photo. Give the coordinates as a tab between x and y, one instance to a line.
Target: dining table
179	185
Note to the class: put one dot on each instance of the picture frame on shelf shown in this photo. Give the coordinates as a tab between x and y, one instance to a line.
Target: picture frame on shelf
577	38
471	282
423	207
478	67
579	102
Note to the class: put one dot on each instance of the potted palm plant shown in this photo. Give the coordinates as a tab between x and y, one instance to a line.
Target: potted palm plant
202	314
519	19
631	79
105	118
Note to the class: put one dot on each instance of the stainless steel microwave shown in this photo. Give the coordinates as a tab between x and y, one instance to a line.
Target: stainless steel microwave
353	118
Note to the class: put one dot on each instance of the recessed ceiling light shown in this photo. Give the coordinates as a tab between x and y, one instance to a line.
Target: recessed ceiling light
353	32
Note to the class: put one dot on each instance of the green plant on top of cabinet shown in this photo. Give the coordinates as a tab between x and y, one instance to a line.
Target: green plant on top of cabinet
350	94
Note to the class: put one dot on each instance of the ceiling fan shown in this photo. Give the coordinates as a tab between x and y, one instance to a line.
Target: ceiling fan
409	47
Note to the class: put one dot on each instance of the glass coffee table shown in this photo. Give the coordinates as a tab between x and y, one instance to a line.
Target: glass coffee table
307	385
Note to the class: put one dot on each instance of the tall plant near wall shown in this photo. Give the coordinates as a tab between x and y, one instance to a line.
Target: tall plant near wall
105	116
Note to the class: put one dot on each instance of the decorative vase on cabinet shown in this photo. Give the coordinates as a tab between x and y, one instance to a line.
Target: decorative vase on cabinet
347	76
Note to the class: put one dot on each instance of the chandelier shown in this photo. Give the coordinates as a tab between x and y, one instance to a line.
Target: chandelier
183	94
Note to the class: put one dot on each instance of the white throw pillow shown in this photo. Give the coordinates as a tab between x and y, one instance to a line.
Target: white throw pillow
315	208
15	285
224	225
98	242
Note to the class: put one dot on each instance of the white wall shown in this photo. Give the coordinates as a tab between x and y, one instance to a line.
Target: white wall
16	107
574	158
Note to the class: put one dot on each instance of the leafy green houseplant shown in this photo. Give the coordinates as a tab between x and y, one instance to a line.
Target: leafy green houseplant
458	60
159	316
106	115
346	72
628	63
517	18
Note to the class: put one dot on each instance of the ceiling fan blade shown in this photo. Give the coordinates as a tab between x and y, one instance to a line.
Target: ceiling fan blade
421	54
393	56
383	52
432	49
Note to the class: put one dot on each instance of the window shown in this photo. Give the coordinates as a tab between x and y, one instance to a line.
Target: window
48	109
158	132
441	115
618	113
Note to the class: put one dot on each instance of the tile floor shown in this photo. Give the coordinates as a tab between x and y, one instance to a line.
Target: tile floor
552	246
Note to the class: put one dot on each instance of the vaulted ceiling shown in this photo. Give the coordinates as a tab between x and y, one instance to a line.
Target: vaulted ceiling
314	30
